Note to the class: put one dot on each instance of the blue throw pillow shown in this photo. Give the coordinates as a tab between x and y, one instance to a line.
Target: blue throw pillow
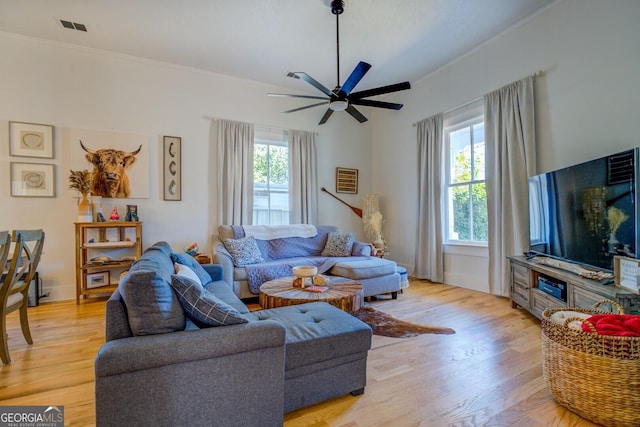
189	261
339	244
201	306
243	251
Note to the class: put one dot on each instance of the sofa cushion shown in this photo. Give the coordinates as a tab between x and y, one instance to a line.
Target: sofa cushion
189	261
201	306
364	268
339	244
152	307
243	251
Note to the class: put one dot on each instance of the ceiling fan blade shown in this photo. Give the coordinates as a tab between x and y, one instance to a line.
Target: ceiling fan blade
379	104
326	116
313	82
380	90
356	75
356	114
305	107
290	95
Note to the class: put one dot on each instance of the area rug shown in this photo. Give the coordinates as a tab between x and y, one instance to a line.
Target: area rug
388	326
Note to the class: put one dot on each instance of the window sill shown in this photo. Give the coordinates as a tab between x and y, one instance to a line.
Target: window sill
467	249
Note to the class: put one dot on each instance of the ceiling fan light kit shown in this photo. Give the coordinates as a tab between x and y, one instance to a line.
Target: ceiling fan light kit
341	98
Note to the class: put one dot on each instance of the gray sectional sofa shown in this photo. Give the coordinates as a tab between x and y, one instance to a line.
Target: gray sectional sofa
157	367
377	276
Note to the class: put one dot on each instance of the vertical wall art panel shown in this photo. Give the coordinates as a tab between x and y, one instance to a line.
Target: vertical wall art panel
172	176
346	180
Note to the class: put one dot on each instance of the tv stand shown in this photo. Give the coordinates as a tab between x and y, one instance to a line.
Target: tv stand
579	292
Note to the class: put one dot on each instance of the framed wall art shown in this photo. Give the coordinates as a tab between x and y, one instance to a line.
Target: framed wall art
98	279
32	180
30	140
172	175
346	180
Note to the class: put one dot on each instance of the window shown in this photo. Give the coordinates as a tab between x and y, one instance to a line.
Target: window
466	216
270	178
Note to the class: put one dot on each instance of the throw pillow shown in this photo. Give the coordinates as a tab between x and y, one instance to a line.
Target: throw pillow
189	261
201	306
243	251
339	244
152	306
184	271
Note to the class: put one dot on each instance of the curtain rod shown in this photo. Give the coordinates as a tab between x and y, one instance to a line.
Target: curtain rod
215	119
536	74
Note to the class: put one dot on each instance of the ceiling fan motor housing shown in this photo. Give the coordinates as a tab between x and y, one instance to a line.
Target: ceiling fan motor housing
337	7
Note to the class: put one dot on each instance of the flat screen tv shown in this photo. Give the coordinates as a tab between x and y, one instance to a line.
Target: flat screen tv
587	213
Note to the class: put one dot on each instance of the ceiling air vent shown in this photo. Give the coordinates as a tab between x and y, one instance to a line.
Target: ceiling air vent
620	168
73	25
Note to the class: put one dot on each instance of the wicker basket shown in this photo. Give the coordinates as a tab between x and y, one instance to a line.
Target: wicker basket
595	376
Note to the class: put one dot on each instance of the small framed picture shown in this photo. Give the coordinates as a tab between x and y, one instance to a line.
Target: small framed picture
626	272
32	180
346	180
98	279
172	175
30	140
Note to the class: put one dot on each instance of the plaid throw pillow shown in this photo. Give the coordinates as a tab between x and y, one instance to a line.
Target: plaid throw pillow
339	244
201	306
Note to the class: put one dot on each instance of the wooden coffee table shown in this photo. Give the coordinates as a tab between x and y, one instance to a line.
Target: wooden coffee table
346	295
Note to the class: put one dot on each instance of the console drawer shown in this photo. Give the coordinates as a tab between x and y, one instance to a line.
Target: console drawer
542	301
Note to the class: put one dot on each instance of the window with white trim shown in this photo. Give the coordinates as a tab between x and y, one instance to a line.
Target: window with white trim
270	178
466	195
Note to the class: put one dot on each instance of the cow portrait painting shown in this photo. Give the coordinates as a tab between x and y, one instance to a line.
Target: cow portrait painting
109	174
120	162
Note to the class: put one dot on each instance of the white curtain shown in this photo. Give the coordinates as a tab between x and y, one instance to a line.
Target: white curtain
235	172
303	178
429	262
510	161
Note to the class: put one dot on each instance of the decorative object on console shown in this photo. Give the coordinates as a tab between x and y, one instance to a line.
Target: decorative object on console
80	181
172	174
305	273
581	271
192	249
132	213
615	217
114	214
373	220
30	140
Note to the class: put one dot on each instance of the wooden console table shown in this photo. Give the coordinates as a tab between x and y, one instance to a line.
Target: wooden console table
346	295
578	292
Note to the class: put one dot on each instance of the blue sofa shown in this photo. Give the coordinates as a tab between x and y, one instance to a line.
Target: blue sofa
377	276
152	372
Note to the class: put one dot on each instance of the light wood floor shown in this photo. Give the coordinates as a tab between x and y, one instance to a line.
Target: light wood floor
488	374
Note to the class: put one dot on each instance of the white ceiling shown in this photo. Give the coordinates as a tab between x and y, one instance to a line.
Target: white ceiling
262	40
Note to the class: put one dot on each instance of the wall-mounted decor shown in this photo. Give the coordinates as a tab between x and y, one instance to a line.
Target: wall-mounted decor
30	140
172	179
119	162
32	180
98	279
346	180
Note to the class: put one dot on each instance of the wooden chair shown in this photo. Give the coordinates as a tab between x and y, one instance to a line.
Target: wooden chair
14	293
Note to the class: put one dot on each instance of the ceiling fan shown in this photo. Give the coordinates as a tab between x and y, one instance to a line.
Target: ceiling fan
341	97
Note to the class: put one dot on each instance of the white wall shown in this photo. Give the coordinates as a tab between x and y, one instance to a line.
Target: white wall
69	87
586	107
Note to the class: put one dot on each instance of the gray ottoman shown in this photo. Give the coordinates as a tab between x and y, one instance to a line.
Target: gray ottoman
377	275
325	352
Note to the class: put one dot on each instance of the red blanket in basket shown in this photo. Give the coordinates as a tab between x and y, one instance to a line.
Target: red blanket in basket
619	325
